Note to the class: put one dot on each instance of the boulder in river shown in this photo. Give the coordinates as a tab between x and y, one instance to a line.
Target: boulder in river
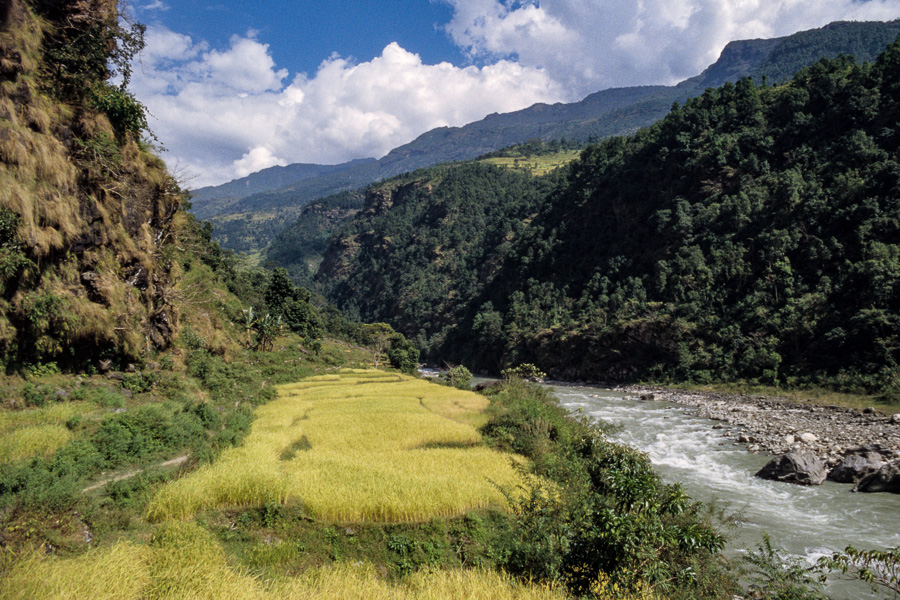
885	479
801	467
856	467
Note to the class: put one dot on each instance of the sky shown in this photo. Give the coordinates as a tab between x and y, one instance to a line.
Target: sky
235	86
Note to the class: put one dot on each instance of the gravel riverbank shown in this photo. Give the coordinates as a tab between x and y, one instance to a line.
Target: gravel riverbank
779	426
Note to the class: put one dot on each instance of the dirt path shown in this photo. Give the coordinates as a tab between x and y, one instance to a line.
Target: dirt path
128	474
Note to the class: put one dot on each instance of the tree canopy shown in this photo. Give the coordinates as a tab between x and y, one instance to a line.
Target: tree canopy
751	234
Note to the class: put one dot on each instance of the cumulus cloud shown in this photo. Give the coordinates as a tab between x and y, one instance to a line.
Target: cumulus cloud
588	45
224	113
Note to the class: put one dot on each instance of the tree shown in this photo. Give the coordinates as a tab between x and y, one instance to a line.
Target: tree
291	303
377	336
267	328
458	377
403	354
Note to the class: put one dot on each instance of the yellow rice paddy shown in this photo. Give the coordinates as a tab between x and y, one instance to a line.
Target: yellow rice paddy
184	561
37	432
354	446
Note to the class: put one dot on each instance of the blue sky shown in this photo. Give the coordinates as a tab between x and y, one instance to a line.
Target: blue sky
303	33
237	86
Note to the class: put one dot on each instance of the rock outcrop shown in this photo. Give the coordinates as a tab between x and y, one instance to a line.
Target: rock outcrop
87	211
802	468
853	444
885	479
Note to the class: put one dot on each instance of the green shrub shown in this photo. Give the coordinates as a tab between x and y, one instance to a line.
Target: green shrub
35	395
126	113
127	492
774	576
146	431
526	371
208	415
458	377
597	509
50	485
140	382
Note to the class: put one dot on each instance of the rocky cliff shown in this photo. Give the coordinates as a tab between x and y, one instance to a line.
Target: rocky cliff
87	212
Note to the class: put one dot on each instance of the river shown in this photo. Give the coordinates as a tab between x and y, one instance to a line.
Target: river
807	522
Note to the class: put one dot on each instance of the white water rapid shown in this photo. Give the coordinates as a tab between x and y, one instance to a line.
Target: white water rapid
805	521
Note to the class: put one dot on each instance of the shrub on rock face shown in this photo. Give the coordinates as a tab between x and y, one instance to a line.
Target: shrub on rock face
802	468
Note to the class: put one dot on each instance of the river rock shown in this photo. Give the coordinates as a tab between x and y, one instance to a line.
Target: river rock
808	438
776	424
801	467
856	467
885	479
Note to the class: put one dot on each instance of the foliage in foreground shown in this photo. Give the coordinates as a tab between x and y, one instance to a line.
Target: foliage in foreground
774	576
879	568
595	512
185	561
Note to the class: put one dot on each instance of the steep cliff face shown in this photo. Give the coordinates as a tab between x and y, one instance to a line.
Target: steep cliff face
87	211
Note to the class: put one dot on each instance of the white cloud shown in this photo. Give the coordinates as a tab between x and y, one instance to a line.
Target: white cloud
156	5
588	45
257	159
223	113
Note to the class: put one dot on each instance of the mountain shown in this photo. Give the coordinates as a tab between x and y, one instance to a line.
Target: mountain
278	177
751	234
250	222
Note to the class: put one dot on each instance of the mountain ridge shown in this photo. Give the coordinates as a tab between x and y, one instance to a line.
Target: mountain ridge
615	111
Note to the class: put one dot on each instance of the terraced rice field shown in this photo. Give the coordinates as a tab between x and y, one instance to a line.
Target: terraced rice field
36	432
185	561
354	446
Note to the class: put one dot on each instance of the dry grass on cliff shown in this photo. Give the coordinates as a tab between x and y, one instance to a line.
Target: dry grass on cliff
354	446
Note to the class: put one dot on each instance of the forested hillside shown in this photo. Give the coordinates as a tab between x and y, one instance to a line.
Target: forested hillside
751	234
